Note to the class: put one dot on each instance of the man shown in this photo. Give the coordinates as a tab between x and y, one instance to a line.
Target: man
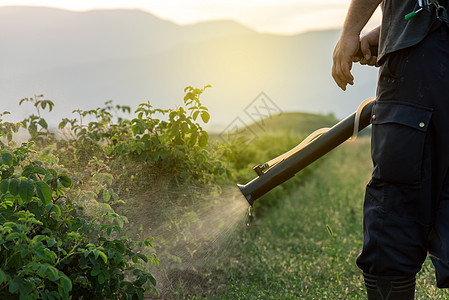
406	209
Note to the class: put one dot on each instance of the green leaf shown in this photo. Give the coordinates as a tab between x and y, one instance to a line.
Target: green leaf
52	273
203	140
8	158
40	170
103	256
39	238
3	277
153	280
44	192
139	294
13	285
14	186
193	139
56	210
62	124
184	127
96	253
106	195
11	236
95	271
189	96
148	242
195	115
172	115
48	207
43	123
66	284
205	116
26	190
143	257
51	242
41	253
28	171
43	270
101	278
50	105
32	129
4	184
65	180
53	173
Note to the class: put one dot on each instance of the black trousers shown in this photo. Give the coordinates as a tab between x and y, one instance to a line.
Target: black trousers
406	208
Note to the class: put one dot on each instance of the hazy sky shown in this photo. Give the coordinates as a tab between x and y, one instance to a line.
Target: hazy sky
276	16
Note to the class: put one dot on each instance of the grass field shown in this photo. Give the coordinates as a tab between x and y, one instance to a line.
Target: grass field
304	240
305	248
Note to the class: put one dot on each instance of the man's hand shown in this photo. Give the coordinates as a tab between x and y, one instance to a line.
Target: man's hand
343	57
345	53
369	40
359	13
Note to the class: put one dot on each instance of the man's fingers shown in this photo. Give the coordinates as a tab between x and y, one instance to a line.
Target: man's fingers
373	61
370	62
342	60
345	72
337	78
365	47
341	72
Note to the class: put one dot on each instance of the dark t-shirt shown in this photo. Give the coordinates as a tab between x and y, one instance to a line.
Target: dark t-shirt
396	32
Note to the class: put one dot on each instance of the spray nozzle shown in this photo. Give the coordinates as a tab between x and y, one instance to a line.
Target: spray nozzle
259	169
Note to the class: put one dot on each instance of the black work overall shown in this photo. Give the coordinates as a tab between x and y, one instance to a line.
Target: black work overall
406	210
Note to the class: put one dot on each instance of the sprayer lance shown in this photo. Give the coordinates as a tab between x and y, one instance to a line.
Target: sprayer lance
272	176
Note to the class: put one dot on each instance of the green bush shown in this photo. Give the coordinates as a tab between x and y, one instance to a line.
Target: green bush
49	250
72	228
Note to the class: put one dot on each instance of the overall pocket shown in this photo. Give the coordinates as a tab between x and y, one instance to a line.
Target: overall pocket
394	64
398	136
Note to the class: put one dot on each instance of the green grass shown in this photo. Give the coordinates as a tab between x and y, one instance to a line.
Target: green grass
305	248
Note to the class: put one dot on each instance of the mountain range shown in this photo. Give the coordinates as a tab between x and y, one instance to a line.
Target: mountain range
82	59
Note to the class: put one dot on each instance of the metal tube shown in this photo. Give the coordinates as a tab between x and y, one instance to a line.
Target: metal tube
287	168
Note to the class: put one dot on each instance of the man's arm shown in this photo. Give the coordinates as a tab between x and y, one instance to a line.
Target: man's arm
360	11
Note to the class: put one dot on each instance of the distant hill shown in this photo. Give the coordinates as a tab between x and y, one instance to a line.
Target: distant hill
291	128
82	59
41	38
295	125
